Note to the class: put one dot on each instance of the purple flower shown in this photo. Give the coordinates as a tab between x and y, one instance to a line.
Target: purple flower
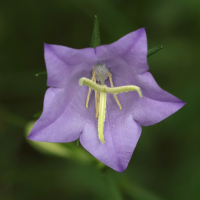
65	117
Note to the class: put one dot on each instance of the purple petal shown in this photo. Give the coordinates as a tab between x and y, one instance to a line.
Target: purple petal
152	90
62	62
156	104
128	54
64	116
61	109
121	135
148	111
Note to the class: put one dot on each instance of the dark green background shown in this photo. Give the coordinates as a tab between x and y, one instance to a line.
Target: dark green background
166	162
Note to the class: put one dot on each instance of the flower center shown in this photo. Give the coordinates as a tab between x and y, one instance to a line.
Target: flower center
101	73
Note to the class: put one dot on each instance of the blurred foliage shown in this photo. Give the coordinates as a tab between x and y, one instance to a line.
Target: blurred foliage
165	164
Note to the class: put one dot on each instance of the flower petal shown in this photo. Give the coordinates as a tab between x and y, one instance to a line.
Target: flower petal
63	117
156	104
148	112
61	62
127	54
152	90
121	136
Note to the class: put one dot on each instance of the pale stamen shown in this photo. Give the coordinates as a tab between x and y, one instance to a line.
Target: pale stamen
100	104
115	96
89	91
98	100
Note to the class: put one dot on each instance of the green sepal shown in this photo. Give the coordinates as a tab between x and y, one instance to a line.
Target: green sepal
153	50
37	114
95	40
41	73
77	142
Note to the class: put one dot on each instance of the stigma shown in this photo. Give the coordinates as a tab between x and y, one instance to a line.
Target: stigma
100	74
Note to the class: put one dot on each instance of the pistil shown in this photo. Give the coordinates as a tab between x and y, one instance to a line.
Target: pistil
102	114
100	104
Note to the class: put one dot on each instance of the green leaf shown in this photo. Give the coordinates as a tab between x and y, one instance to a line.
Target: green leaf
95	40
154	50
41	73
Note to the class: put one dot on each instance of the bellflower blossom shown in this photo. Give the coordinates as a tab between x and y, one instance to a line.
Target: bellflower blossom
108	130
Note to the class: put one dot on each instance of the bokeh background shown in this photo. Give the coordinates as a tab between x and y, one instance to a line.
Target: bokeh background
166	162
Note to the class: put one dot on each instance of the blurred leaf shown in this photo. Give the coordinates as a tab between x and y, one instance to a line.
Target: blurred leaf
137	192
154	50
67	150
95	41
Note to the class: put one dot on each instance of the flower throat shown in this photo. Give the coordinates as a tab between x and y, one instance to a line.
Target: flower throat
100	74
